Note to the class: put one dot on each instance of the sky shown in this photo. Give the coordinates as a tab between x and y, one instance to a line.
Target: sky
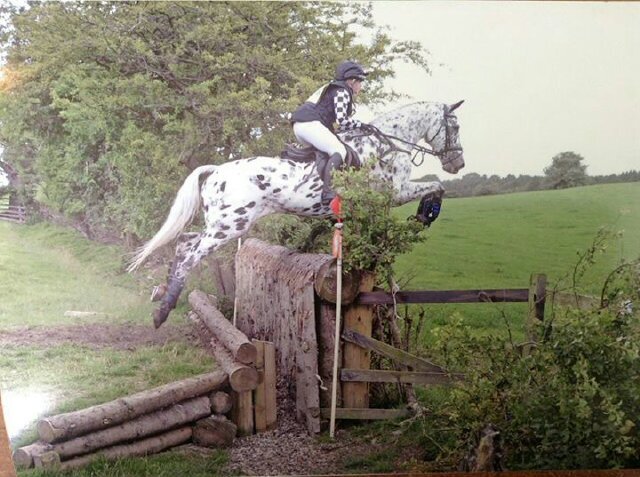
538	78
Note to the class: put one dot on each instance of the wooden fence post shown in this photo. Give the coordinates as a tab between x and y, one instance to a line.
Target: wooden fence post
537	298
264	396
358	318
6	464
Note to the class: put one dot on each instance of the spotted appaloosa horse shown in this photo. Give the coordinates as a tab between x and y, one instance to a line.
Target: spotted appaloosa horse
237	193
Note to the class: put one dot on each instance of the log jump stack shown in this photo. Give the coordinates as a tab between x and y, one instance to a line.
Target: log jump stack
190	410
139	424
253	387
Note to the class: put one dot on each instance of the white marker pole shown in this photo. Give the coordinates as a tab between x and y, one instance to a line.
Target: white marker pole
337	246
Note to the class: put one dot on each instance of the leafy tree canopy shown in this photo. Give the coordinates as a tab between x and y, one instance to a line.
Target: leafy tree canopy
106	106
566	170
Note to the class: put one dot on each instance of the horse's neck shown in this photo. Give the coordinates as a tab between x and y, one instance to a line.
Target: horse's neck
412	122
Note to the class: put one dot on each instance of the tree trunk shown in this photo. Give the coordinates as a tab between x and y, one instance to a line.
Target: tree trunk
231	337
221	402
241	376
214	431
159	421
144	447
72	424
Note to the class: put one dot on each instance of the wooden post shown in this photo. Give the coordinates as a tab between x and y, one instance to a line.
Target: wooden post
6	464
242	412
358	318
264	396
537	298
259	393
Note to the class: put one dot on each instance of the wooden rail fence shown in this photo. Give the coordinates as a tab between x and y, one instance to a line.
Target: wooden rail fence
413	369
10	212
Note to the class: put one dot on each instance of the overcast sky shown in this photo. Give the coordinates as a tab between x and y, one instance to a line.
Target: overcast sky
538	78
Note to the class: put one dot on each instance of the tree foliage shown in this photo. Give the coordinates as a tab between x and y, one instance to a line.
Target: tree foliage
373	237
566	170
106	106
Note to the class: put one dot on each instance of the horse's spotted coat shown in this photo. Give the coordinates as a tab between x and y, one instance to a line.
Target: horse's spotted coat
236	194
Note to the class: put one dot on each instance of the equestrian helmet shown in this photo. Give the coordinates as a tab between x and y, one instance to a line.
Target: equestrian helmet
350	69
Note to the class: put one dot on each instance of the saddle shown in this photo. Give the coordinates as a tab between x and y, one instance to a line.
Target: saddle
299	153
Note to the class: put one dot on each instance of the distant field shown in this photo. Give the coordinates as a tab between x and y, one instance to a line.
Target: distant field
498	241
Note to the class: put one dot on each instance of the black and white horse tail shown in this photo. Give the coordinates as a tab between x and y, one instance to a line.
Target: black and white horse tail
183	210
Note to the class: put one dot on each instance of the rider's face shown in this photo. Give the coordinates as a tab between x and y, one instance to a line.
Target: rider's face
356	85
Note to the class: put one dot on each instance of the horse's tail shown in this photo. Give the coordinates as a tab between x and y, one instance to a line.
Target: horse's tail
184	208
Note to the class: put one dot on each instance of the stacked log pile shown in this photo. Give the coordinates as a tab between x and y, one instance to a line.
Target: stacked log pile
141	424
190	410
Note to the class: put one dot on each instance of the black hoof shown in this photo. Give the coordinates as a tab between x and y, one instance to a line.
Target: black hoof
159	317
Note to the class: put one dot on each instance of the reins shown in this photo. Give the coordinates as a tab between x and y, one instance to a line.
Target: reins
419	150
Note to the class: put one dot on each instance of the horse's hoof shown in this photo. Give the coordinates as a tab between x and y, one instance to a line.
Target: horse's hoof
158	292
159	317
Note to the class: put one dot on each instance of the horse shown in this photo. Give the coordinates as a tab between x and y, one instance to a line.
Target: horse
235	194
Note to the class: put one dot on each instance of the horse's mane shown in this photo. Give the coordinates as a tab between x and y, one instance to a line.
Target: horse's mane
399	109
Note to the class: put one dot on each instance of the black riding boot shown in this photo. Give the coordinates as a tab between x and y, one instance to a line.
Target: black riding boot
334	163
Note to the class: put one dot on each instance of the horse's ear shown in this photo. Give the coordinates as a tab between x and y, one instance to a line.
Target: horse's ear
455	106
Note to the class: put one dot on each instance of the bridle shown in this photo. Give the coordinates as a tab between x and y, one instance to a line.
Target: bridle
419	150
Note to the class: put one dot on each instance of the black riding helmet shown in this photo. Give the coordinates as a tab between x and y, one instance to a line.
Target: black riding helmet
350	69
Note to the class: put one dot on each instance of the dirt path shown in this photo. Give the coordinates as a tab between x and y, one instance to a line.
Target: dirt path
98	335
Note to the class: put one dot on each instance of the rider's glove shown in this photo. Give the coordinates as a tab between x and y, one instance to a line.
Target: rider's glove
368	128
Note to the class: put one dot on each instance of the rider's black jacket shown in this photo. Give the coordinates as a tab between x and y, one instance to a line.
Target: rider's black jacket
324	110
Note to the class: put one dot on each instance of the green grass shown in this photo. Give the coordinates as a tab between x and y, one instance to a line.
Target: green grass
47	270
168	464
498	241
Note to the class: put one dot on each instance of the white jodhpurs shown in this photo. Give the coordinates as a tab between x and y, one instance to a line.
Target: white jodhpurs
316	134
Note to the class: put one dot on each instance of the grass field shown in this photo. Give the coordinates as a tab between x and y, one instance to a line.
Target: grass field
484	242
498	241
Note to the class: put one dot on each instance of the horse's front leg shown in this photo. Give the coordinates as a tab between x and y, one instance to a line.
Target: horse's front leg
415	190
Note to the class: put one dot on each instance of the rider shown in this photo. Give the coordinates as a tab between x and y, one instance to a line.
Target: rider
314	121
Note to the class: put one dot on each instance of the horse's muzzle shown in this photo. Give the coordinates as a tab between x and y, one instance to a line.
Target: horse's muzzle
455	164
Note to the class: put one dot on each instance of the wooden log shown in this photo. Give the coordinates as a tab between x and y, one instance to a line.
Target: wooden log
259	394
23	456
214	431
242	412
444	296
231	337
389	376
270	378
6	465
325	283
358	413
46	460
241	377
358	318
159	421
72	424
151	445
398	355
221	402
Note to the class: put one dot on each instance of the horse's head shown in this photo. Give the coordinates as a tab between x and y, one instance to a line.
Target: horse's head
446	141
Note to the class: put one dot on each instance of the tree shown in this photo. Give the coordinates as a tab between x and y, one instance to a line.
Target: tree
106	106
566	171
